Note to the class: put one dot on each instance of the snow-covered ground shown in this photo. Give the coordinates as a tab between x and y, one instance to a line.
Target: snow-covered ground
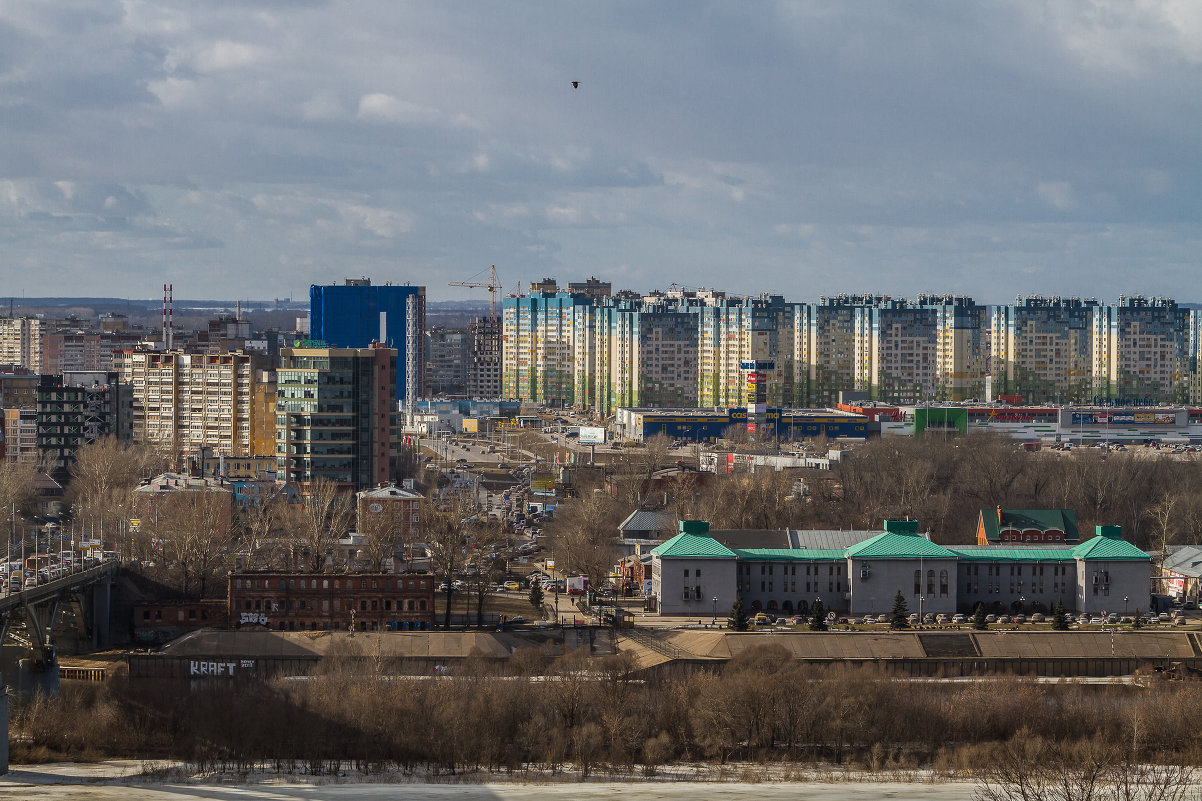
125	781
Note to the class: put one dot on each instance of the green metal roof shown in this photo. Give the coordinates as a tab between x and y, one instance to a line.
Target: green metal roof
992	554
694	546
1105	547
899	546
1043	519
790	554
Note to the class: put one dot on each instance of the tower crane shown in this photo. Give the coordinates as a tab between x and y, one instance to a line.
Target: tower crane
492	286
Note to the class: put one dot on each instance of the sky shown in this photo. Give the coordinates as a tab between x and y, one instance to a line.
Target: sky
250	148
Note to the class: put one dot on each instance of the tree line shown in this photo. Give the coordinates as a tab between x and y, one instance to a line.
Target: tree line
943	482
543	713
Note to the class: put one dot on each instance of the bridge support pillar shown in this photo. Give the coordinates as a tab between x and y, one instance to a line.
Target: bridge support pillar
101	597
3	729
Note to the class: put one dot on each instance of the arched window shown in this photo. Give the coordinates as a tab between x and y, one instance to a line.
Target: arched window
930	582
772	606
917	582
786	605
943	582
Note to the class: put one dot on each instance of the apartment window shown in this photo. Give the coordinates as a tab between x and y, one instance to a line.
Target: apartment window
917	582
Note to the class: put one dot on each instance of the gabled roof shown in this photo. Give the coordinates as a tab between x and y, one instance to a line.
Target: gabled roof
1103	547
390	492
1186	560
1042	519
646	520
900	546
693	546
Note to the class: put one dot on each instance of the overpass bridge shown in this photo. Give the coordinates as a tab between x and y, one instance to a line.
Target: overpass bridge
27	618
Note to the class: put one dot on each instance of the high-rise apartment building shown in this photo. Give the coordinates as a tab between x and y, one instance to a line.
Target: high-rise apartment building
896	351
76	409
336	416
358	314
733	331
21	343
484	366
189	404
448	357
1041	349
538	347
962	345
1141	350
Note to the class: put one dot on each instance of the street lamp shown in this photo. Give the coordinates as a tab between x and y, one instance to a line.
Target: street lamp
1022	604
715	610
921	598
1125	600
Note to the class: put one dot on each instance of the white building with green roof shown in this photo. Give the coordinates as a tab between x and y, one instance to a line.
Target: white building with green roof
1102	574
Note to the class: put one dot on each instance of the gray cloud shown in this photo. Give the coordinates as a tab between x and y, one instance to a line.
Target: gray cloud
807	148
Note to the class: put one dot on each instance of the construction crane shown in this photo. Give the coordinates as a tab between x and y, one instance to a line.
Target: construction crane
492	286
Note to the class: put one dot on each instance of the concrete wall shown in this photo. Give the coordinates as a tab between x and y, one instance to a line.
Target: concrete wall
873	594
716	580
993	585
1127	579
800	583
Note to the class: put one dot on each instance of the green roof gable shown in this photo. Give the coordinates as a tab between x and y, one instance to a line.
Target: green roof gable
1105	547
693	546
899	546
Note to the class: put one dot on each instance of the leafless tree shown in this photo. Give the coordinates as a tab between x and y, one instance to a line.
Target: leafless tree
584	535
317	523
197	534
444	524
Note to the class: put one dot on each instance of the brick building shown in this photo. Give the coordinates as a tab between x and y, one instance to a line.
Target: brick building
161	621
332	601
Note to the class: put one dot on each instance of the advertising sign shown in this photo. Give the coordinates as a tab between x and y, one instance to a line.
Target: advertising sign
592	436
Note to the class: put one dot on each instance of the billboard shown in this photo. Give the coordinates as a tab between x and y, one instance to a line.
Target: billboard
592	436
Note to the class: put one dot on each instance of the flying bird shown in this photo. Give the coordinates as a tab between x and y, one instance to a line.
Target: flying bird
575	84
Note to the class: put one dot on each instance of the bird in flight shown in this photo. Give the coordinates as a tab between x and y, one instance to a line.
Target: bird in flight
575	84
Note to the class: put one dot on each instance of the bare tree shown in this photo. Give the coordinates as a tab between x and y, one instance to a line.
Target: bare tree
105	472
319	521
444	524
484	563
584	536
196	530
261	534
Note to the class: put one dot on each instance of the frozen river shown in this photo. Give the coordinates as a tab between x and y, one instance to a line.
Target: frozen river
78	782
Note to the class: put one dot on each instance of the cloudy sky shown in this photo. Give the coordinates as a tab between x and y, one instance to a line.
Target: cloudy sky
251	148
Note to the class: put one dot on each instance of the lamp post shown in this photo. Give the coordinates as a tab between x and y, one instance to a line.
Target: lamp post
715	622
1022	604
921	598
1125	600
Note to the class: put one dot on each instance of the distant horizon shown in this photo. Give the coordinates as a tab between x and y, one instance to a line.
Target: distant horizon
478	303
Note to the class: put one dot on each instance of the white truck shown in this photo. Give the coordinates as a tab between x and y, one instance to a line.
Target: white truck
577	585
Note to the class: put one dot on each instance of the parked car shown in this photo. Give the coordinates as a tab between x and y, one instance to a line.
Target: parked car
991	618
1037	617
959	619
1163	617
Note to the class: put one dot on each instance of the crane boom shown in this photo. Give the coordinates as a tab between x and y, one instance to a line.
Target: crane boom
492	286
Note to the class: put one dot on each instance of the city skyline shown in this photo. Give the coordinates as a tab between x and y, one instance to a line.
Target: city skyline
810	148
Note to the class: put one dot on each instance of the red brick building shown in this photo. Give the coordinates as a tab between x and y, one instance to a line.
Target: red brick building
161	621
337	601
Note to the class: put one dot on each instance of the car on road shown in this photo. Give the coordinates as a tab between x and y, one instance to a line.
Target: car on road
1163	617
512	586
